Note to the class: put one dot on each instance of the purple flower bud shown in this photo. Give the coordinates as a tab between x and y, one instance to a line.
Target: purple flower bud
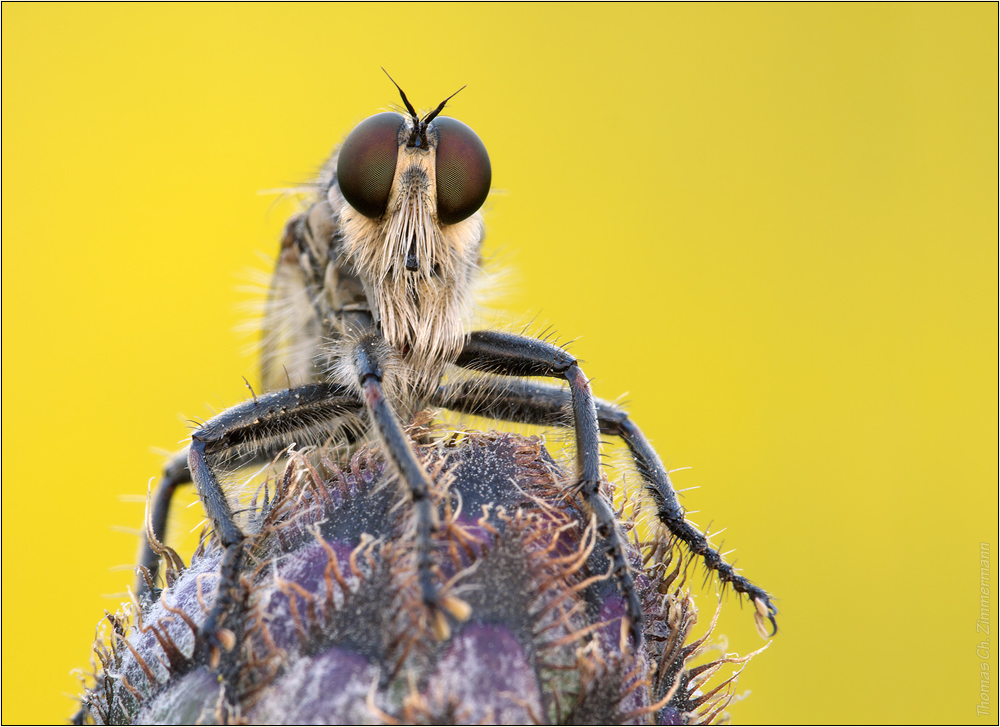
329	625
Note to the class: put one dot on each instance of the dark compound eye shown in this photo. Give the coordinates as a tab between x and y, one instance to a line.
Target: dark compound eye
367	163
463	171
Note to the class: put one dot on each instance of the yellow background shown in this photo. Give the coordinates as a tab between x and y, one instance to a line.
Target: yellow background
774	226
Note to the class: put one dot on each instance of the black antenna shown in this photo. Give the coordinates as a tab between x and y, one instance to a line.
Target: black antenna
430	117
406	101
419	136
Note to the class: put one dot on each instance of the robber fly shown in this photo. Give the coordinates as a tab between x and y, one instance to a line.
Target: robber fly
371	291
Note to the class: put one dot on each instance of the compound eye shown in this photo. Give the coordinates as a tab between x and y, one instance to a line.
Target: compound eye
463	171
367	163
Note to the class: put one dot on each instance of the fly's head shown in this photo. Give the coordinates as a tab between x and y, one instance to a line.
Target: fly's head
408	195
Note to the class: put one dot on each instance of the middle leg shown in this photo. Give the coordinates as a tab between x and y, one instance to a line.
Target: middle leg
510	355
529	402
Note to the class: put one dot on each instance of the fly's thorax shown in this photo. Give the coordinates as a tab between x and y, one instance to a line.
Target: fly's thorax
417	271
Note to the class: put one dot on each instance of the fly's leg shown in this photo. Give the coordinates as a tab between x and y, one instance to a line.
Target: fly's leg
509	355
532	403
260	427
367	362
175	473
616	421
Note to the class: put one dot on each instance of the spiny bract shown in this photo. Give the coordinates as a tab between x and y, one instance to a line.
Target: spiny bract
330	627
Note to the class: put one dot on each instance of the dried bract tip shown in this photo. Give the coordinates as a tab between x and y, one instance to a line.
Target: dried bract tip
457	607
227	638
440	625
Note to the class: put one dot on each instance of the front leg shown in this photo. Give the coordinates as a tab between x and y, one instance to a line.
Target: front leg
367	360
261	427
510	355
